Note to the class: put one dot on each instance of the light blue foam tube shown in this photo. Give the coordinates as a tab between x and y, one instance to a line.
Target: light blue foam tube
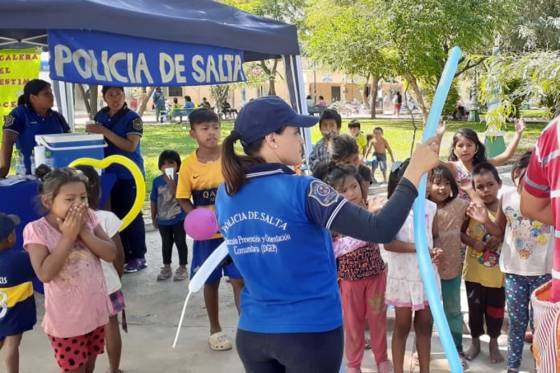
422	251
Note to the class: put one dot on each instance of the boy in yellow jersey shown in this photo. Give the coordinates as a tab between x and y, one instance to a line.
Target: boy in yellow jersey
199	177
17	305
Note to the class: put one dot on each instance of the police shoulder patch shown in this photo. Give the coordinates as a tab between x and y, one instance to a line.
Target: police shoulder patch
137	124
323	193
9	120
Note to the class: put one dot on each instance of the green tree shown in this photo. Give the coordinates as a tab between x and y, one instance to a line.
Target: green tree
423	31
348	38
289	11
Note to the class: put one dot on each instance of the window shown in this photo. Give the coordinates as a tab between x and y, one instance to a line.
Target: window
175	91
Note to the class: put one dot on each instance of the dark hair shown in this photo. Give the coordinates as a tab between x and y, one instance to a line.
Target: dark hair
369	137
175	100
32	87
442	172
333	174
321	98
203	115
354	123
308	97
378	129
365	173
235	166
41	171
469	134
343	146
106	89
395	176
169	155
188	98
93	186
331	114
484	168
522	163
58	177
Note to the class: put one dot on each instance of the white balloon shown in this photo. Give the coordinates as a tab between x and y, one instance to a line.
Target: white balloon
208	267
199	279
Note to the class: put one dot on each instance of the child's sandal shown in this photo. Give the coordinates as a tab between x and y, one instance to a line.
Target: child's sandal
219	342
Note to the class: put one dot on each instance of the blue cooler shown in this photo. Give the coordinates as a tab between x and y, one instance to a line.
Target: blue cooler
60	150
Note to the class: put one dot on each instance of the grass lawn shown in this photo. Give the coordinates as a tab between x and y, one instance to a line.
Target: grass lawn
398	132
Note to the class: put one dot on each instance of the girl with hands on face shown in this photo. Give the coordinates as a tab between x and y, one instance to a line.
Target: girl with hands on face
65	247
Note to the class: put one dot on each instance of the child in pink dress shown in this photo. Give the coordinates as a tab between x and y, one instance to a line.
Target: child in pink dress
65	247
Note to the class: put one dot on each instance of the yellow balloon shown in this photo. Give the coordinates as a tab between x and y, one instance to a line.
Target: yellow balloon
136	174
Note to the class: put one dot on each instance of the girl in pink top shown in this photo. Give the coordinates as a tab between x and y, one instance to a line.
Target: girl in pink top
362	279
65	247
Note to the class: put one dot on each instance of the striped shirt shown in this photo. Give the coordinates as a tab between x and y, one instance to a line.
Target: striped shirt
543	178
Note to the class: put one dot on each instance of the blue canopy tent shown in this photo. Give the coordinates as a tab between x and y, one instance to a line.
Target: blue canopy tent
194	23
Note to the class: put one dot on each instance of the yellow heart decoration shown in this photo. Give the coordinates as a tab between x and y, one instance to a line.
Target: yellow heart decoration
136	174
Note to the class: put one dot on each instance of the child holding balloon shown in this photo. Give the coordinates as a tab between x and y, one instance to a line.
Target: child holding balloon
199	177
405	290
65	247
362	275
168	217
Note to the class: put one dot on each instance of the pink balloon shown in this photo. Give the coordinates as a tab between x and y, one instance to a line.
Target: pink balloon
201	224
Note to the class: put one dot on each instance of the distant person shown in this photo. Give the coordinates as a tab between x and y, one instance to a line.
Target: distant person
159	103
397	103
205	104
379	146
354	127
310	102
189	105
322	103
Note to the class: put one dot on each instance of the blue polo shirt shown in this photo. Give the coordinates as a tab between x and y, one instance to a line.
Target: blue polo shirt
26	123
17	304
276	229
124	122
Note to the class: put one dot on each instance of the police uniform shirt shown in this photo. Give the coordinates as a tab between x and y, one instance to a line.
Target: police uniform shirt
199	181
17	304
26	123
277	231
125	122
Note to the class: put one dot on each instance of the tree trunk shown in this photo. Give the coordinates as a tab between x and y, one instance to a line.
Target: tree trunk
93	99
419	97
86	101
272	79
365	96
145	100
373	94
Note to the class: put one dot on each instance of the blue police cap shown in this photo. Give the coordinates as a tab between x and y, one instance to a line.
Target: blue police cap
265	115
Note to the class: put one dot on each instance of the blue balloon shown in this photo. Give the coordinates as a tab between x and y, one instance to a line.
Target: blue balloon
422	251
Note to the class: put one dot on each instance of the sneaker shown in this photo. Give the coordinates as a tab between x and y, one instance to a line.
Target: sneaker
131	266
164	274
180	274
141	264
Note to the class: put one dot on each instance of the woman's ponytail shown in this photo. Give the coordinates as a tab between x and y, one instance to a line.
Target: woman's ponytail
232	167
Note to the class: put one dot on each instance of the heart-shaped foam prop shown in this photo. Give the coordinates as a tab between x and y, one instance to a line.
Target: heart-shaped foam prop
136	174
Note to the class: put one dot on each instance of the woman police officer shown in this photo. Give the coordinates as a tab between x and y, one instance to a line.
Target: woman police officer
33	116
276	226
123	129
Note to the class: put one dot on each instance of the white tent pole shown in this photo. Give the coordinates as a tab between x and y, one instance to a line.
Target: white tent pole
296	88
64	94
